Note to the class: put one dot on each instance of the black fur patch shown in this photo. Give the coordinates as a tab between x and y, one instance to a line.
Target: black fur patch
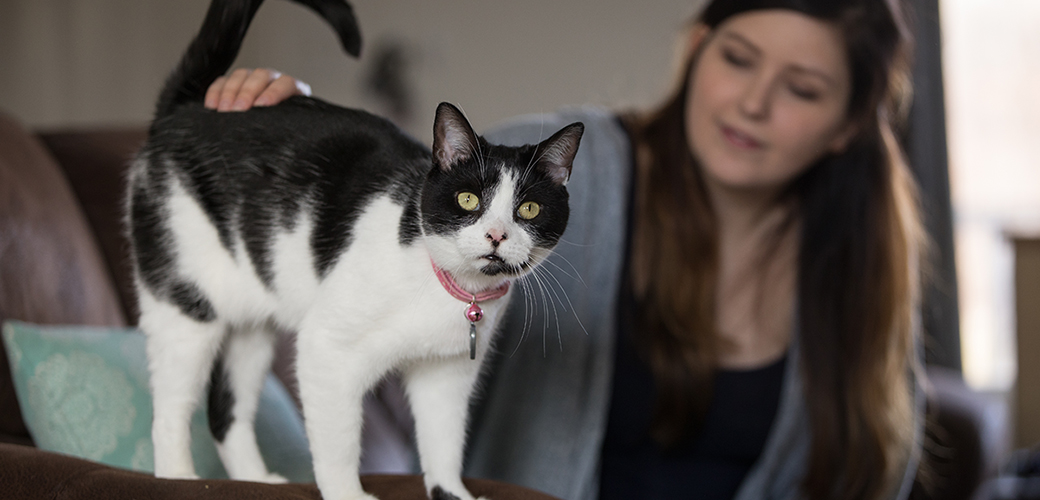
438	493
220	401
191	301
408	231
152	248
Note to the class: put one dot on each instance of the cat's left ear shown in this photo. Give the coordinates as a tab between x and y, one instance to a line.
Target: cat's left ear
556	154
453	137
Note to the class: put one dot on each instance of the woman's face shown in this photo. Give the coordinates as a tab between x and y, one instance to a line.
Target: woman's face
768	97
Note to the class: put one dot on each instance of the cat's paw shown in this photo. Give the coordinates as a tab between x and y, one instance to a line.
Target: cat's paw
438	493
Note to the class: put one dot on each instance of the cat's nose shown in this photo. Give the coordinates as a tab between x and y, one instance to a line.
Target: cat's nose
496	236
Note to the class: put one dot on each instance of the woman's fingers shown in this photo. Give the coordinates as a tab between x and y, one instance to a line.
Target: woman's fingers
232	86
280	89
245	88
255	84
213	92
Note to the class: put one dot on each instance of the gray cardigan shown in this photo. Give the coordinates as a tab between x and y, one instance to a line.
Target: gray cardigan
541	415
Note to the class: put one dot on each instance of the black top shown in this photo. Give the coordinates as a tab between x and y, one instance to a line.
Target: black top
713	462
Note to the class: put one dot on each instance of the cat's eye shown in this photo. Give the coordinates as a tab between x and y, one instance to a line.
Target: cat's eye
529	210
468	201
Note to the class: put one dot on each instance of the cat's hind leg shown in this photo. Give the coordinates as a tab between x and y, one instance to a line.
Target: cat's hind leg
180	350
236	380
439	391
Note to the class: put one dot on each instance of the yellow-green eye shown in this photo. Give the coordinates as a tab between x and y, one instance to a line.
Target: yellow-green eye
468	201
529	210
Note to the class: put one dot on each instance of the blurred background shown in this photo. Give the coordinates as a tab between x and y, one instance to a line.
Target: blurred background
90	62
974	137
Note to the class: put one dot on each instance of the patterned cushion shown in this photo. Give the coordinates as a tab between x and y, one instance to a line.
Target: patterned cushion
84	392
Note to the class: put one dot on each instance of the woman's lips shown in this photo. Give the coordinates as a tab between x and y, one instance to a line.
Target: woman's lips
740	139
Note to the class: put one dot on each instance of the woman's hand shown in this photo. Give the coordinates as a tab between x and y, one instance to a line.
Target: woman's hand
245	88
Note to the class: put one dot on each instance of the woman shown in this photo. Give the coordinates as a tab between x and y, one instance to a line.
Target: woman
748	255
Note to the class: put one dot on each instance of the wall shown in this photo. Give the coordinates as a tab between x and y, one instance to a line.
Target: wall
91	62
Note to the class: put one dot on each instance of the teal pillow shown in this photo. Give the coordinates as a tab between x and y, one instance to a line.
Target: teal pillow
84	392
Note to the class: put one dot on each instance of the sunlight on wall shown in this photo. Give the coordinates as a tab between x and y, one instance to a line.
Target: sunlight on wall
991	53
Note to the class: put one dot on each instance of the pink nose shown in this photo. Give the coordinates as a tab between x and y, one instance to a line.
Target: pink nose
496	236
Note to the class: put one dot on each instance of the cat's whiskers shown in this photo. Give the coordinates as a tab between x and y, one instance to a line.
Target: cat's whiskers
549	290
529	308
556	314
577	275
574	276
528	311
546	299
568	298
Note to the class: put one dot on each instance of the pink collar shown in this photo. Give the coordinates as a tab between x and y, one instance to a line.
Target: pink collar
473	313
453	288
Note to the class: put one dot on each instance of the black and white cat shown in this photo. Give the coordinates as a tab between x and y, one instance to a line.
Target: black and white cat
330	222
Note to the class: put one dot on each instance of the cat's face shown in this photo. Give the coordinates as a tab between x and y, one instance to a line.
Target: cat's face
493	212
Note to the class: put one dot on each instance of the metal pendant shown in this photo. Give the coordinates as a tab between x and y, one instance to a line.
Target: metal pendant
474	314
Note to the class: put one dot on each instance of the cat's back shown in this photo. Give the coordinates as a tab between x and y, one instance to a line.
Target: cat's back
310	138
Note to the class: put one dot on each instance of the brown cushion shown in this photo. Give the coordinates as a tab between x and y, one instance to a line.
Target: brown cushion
31	473
95	163
51	270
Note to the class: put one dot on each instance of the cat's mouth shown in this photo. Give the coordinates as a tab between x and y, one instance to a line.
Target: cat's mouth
497	266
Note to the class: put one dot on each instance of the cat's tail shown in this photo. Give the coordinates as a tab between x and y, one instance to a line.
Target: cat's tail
215	47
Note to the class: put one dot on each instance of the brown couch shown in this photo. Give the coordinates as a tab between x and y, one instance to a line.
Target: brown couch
63	261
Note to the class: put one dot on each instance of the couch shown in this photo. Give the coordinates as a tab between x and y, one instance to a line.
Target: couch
63	261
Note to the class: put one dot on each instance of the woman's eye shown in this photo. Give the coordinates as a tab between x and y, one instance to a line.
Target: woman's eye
804	93
468	201
736	59
529	210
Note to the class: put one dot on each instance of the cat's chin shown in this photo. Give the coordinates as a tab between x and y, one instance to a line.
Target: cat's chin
502	269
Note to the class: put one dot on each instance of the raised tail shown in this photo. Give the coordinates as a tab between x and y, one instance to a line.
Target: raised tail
216	45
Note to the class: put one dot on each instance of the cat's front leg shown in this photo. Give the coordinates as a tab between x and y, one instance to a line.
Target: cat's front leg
439	391
334	376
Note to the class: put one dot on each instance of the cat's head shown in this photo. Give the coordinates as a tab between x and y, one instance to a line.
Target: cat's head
493	212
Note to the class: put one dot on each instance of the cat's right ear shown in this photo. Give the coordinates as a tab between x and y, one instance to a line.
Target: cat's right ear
453	137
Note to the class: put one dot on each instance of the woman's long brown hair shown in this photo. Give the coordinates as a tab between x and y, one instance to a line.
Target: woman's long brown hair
857	286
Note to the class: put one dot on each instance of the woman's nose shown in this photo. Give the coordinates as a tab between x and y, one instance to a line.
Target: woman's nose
756	100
